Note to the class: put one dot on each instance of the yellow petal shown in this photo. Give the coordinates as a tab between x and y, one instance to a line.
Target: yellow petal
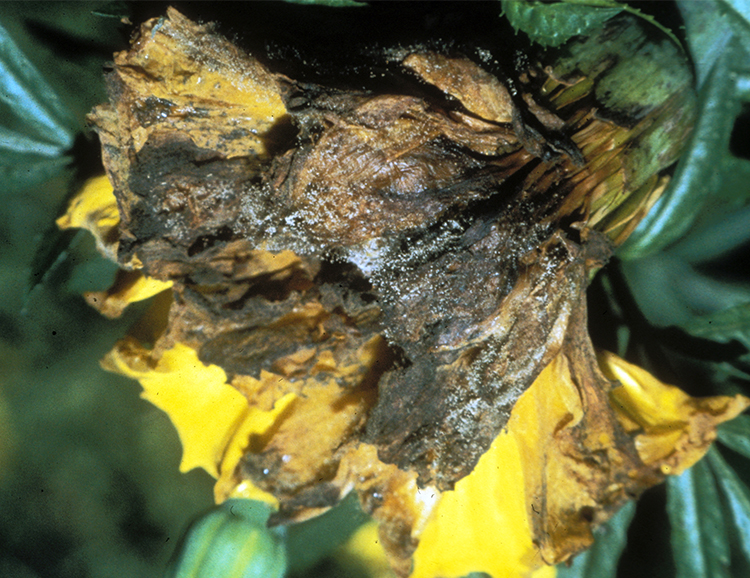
544	572
203	408
674	430
642	397
255	423
245	489
484	525
95	208
481	526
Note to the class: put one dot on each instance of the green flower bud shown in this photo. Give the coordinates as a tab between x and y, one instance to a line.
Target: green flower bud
231	541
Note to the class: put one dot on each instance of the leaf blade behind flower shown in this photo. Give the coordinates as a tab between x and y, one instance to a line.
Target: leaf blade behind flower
737	497
724	325
699	540
736	435
601	560
30	101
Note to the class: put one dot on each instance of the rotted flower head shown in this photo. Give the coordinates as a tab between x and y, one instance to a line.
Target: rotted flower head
384	292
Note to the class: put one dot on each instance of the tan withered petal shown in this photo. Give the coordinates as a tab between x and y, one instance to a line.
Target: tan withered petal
480	92
399	268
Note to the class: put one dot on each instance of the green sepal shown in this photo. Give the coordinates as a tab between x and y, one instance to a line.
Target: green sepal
710	183
553	24
697	182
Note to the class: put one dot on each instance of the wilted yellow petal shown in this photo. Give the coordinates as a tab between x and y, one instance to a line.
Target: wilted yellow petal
95	208
479	91
674	429
128	287
535	477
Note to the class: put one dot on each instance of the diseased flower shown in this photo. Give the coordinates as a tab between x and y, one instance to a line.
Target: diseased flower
392	300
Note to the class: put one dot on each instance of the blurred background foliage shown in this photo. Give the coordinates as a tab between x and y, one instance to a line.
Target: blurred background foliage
89	480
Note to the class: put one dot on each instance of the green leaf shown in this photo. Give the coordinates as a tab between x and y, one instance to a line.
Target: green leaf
715	237
670	291
51	59
735	435
24	172
114	9
723	326
673	288
34	119
36	128
552	24
708	30
600	561
699	538
737	497
740	12
67	45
